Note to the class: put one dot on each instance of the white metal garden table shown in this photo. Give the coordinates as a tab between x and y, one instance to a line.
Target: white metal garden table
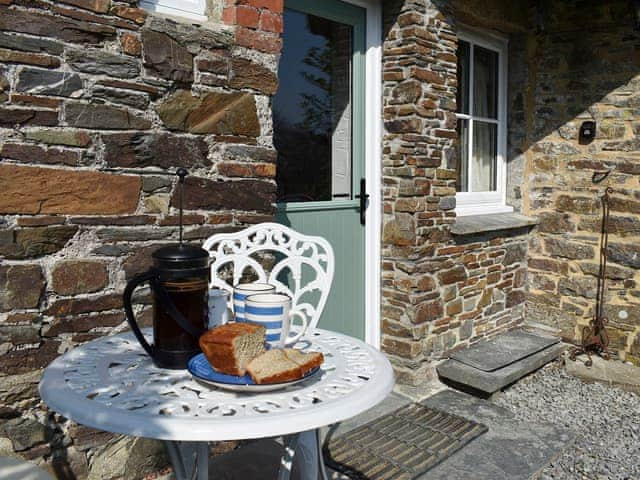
112	385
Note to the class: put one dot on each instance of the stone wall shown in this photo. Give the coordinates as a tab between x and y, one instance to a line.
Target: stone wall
584	64
97	101
568	62
440	292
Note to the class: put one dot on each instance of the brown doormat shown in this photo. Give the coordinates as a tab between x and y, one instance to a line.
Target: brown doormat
400	445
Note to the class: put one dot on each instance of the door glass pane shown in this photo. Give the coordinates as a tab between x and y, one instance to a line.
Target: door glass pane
463	76
462	168
485	156
312	110
485	83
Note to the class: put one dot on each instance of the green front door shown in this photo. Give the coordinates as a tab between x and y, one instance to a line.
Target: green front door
318	117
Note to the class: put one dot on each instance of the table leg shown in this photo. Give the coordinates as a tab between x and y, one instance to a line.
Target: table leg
190	460
322	468
286	462
308	447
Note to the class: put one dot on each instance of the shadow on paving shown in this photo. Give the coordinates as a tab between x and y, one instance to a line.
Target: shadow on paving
510	449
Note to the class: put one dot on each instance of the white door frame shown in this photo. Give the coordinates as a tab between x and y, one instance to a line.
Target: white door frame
373	167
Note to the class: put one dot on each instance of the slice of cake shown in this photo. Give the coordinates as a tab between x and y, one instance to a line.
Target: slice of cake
230	347
283	365
273	366
306	361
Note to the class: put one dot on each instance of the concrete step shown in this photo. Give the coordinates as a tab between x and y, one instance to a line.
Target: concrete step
489	366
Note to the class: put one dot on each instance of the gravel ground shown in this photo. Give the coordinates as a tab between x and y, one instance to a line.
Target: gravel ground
605	419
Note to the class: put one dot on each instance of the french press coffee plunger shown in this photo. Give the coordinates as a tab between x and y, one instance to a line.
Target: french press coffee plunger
179	283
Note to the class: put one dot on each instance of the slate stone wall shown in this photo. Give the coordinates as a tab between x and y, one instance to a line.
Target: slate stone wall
584	64
97	99
439	292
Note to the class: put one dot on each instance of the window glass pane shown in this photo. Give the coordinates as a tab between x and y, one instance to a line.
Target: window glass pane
485	156
463	76
485	83
312	110
462	168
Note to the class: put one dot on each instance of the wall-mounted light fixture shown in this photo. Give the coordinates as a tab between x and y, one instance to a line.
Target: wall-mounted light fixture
588	130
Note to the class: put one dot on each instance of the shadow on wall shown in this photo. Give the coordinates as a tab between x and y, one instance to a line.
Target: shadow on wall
566	60
569	62
572	62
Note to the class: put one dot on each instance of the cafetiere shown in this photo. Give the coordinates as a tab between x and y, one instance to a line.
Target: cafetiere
179	281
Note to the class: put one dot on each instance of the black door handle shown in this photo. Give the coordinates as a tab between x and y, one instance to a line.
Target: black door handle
363	196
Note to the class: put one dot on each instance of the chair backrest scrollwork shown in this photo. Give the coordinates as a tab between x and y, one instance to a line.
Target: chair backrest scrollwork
302	268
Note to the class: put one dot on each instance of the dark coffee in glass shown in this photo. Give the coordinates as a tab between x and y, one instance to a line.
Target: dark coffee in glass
190	298
179	282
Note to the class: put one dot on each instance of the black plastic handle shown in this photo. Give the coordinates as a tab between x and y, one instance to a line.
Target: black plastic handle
363	196
131	319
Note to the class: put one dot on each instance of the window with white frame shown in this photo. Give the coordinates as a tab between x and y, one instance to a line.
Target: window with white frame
481	114
191	9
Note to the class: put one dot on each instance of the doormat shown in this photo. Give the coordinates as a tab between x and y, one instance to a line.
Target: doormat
400	445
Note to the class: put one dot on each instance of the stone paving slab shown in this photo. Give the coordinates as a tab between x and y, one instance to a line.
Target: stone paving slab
612	372
402	444
510	449
488	382
260	460
503	350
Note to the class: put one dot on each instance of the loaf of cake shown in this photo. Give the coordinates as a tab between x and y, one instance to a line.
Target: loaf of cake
283	365
230	347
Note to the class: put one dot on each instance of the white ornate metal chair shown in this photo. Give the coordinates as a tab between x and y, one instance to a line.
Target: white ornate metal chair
299	265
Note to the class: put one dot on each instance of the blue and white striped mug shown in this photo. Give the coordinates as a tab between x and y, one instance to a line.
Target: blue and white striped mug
273	311
242	291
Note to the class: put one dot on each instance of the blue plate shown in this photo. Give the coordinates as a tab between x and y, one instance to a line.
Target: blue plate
200	368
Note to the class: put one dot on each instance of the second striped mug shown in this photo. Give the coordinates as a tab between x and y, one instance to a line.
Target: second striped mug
242	291
273	311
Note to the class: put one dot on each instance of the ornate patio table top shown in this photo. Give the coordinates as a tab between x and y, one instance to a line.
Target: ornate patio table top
112	385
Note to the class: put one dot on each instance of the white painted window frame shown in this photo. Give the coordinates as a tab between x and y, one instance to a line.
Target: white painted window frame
479	203
189	9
